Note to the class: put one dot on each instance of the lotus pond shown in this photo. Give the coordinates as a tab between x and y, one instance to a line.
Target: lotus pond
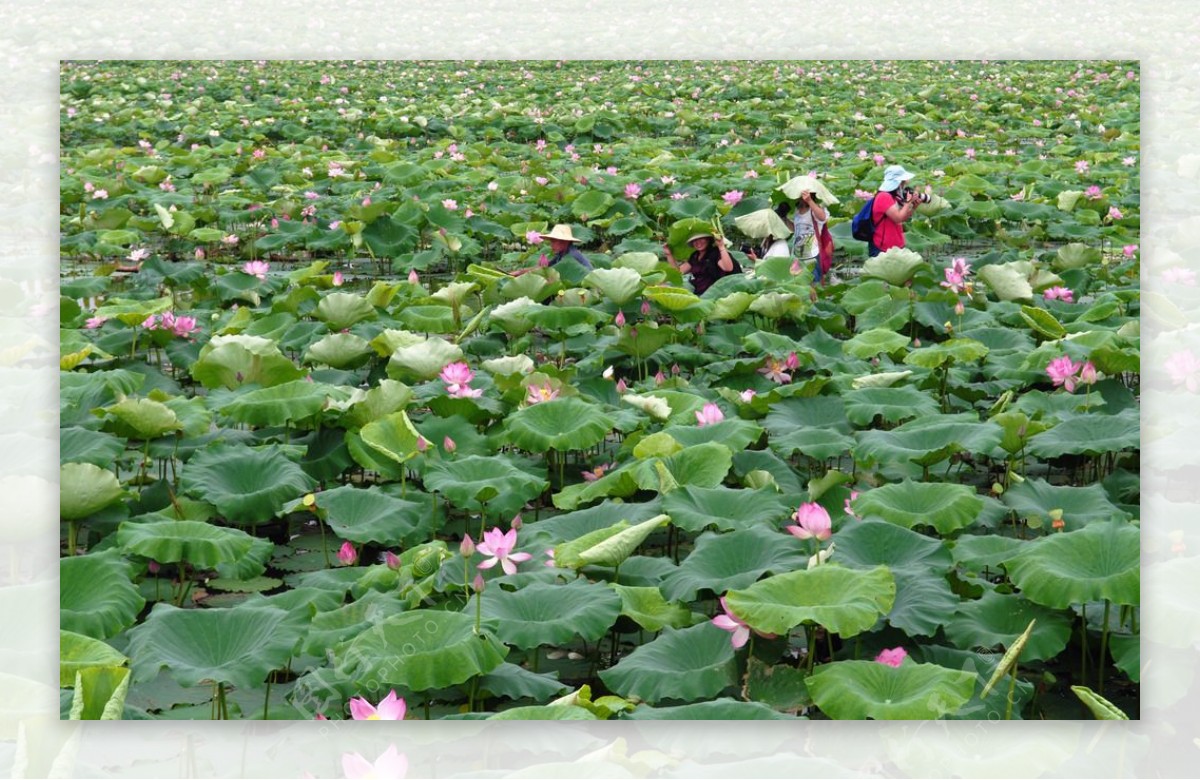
319	446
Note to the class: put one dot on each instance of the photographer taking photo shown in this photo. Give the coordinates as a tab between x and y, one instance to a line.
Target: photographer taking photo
894	205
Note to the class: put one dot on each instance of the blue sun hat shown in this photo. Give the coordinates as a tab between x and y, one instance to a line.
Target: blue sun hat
893	177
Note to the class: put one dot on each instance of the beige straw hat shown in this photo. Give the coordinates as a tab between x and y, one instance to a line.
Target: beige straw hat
563	233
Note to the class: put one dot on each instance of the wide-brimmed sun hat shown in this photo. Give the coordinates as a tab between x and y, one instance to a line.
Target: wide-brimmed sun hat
562	233
692	238
893	177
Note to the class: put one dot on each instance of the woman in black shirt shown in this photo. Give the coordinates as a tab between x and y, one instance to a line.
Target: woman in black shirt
709	262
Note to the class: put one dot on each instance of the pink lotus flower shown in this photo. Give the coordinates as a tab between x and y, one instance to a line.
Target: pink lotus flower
733	197
391	708
457	377
499	545
466	548
848	508
596	473
392	765
1017	196
543	261
533	237
747	396
138	255
230	240
1094	192
478	583
1130	249
95	322
864	194
632	190
621	386
338	279
970	154
184	326
1128	161
1087	374
709	415
391	560
1184	369
659	377
1114	213
792	362
893	657
812	522
1064	294
536	394
256	268
422	444
1063	372
448	445
347	554
100	195
413	279
1081	166
736	626
774	370
450	204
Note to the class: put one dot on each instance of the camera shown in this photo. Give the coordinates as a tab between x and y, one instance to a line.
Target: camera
907	193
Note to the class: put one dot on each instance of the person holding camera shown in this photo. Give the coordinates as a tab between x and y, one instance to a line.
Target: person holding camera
895	203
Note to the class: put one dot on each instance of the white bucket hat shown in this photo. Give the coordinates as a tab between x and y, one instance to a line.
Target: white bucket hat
563	233
893	177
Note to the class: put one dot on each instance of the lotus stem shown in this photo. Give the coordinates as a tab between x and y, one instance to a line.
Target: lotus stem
1102	662
1083	643
267	697
72	536
1012	688
812	645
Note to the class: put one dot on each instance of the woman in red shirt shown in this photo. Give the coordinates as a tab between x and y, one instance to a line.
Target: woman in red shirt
890	212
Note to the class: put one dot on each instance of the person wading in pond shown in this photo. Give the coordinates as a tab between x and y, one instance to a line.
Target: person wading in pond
808	220
894	205
562	245
709	262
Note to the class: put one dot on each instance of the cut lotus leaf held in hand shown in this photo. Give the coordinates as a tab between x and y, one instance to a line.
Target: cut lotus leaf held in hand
844	601
85	489
96	597
549	614
419	650
1096	563
684	665
237	647
946	507
561	424
859	690
245	484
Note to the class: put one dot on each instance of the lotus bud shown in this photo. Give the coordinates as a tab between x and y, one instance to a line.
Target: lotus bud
413	278
517	523
338	279
1087	374
392	560
466	547
347	554
645	308
153	567
674	369
478	584
917	343
422	444
959	308
620	319
659	378
448	444
621	386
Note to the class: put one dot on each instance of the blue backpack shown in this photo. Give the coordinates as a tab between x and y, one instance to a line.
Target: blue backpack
863	226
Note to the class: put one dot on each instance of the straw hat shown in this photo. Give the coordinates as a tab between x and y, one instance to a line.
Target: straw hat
562	233
699	235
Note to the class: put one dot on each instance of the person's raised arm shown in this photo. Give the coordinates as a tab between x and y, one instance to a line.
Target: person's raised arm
819	213
726	262
684	268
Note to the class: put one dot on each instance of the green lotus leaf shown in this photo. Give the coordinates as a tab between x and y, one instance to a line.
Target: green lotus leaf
858	690
646	606
246	485
672	298
282	404
717	709
868	543
331	626
816	426
550	614
529	286
429	319
230	361
1006	283
844	601
496	481
695	508
339	350
252	585
927	440
591	205
895	266
684	665
454	293
944	506
369	515
644	339
392	436
419	650
1089	434
561	424
566	320
544	712
642	262
85	489
656	407
566	554
873	342
1043	322
703	465
731	307
340	310
77	652
794	187
735	434
132	312
100	693
616	548
882	379
511	316
776	305
511	365
1100	707
1074	256
618	285
422	361
517	682
956	350
891	404
996	620
96	598
1079	505
762	223
238	647
387	397
723	562
924	601
141	418
1098	562
975	554
200	544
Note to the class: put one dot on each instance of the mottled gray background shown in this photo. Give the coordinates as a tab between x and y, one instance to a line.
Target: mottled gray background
36	36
